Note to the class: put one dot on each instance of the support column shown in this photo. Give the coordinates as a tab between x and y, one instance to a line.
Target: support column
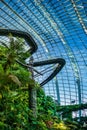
32	91
79	95
57	90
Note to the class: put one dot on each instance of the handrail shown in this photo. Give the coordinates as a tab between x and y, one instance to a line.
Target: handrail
60	63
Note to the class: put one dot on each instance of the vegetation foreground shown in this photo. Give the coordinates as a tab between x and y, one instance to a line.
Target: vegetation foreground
15	113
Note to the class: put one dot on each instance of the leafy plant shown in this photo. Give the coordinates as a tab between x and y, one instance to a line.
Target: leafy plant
14	96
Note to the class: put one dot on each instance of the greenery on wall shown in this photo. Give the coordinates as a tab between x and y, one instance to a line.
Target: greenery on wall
15	113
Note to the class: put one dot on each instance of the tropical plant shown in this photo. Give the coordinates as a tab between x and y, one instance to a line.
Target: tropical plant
15	81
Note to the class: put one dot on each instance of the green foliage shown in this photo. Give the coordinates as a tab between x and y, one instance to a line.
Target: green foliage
14	109
45	103
14	100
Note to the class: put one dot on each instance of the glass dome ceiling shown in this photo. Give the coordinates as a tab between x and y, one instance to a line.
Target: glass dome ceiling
59	28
